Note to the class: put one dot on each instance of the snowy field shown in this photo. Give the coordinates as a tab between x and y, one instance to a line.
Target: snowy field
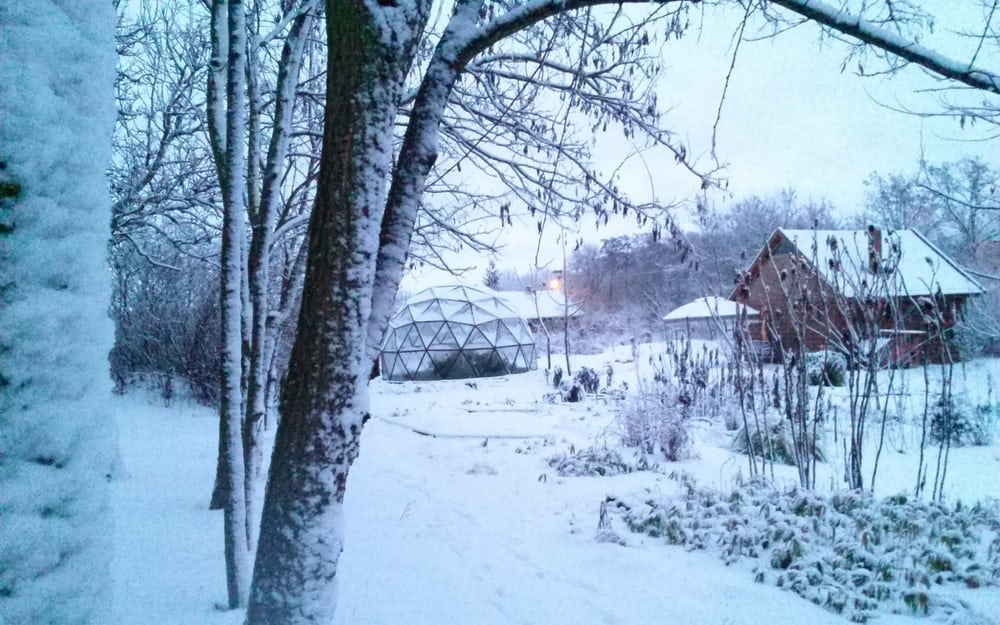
454	514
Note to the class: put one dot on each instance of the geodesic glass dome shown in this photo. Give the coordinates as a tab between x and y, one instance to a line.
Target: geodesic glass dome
453	332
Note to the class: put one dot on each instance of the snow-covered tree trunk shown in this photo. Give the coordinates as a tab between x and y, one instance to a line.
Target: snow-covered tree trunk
228	146
417	156
259	261
325	400
57	442
216	105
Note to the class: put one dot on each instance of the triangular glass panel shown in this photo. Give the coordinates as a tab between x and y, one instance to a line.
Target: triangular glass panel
489	329
427	331
411	340
411	363
426	369
434	308
486	313
476	339
478	359
389	363
403	316
520	363
461	368
461	331
453	310
445	339
523	333
443	361
401	336
529	354
509	355
427	311
490	363
504	335
389	344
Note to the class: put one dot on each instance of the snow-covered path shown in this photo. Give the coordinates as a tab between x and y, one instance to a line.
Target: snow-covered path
468	527
435	538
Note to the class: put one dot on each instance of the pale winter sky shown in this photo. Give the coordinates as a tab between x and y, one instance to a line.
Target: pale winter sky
791	119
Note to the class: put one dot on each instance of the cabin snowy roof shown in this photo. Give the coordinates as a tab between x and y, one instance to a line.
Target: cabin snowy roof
709	308
911	264
540	304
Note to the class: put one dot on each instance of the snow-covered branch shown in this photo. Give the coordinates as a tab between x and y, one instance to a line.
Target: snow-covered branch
870	33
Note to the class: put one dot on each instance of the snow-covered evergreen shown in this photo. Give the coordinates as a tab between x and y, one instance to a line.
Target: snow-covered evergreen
57	444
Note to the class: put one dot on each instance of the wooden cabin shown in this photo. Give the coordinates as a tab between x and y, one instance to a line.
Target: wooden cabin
853	290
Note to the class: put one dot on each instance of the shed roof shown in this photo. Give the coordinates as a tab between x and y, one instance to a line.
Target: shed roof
709	308
540	304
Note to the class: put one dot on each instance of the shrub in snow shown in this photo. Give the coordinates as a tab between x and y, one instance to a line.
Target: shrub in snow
775	443
959	423
849	552
588	379
597	462
557	376
574	394
655	422
167	325
825	368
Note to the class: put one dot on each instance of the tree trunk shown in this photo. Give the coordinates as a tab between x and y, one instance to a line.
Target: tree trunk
351	276
216	105
259	260
231	305
325	400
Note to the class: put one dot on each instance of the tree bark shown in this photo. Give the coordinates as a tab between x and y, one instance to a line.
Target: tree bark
58	443
231	305
325	400
216	105
259	260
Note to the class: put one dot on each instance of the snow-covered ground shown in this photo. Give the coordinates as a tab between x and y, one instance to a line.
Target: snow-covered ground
455	516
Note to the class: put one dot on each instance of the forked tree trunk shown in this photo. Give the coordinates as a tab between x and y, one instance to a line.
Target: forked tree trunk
325	400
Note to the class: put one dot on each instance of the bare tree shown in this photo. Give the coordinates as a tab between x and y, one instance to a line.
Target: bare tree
164	224
358	239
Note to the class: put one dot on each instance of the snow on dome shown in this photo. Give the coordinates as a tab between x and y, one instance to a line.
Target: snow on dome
707	308
452	332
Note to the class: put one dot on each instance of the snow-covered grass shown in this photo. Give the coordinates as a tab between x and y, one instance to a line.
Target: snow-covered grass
480	502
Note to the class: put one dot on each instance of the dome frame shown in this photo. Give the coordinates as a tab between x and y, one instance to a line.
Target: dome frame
456	332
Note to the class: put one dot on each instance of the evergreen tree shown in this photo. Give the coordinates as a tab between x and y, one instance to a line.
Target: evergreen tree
491	279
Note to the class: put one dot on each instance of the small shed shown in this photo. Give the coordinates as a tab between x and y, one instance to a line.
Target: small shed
708	318
551	308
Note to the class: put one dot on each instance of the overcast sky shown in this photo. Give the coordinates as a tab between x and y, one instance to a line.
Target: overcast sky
791	119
